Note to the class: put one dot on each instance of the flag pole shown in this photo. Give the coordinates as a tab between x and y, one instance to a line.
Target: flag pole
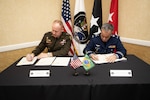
75	73
88	61
87	73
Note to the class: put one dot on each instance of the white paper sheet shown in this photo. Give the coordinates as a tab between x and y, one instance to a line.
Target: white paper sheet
45	61
24	61
102	58
61	61
81	58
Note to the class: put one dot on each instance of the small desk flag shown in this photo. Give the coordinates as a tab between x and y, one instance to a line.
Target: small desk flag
87	63
75	62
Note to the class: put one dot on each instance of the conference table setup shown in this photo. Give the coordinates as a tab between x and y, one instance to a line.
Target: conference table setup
122	80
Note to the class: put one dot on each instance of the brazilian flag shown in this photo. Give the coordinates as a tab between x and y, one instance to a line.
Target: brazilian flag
87	63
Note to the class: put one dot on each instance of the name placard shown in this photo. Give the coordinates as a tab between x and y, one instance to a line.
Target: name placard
121	73
39	73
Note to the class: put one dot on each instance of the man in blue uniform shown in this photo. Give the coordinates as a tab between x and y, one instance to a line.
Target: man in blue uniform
105	43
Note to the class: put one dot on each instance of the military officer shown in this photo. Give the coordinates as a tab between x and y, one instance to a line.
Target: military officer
57	42
105	43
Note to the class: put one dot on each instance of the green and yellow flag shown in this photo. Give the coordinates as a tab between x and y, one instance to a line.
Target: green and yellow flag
87	63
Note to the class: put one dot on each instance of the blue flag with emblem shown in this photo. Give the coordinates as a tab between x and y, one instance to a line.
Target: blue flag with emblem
87	63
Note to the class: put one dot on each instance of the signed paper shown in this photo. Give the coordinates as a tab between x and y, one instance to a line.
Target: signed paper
61	61
24	61
45	61
102	58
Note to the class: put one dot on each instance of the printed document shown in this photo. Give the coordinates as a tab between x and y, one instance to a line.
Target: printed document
102	58
61	61
45	61
24	61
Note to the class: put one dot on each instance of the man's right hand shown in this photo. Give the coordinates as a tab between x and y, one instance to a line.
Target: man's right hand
30	57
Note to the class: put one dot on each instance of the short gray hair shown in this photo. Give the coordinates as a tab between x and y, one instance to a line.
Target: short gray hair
107	26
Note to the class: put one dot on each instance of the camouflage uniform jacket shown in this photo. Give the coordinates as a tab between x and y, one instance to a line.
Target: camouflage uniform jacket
58	46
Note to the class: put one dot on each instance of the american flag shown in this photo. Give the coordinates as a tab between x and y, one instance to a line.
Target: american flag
66	19
75	62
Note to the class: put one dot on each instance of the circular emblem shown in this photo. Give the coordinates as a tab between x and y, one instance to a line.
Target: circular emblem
80	28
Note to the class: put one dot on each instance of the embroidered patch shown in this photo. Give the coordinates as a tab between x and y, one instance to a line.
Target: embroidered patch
112	46
97	45
70	37
97	48
63	42
48	40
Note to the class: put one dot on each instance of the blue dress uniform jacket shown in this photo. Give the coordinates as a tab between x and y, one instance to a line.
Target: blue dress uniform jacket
113	45
58	46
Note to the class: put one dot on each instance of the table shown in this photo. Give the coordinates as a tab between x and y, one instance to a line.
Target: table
15	83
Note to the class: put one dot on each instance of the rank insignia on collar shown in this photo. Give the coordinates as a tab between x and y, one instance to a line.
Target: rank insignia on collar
63	42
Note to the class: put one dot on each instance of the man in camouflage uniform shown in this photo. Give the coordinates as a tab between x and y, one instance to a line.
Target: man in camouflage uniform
57	42
105	43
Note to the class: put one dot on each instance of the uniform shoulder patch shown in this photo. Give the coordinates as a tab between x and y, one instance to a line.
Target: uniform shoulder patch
67	35
70	37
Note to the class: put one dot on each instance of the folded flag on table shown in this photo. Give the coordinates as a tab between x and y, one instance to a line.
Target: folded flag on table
87	63
75	62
